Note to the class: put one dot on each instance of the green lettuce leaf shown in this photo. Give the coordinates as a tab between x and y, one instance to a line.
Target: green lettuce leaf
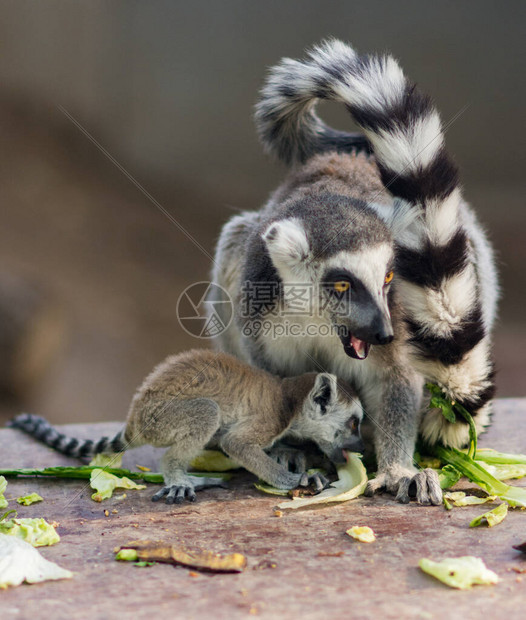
37	532
27	500
509	471
105	483
459	498
448	476
514	496
493	517
462	573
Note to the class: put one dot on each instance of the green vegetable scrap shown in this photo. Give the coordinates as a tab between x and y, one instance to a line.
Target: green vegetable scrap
459	498
514	496
20	562
213	460
504	472
126	555
37	532
83	472
143	564
448	476
462	573
27	500
105	483
500	458
352	480
3	487
491	518
266	488
450	410
106	460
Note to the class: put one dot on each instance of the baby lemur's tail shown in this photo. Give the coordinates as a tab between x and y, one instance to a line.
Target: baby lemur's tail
41	429
449	304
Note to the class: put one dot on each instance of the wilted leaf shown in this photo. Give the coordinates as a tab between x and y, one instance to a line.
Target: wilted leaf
27	500
37	532
493	517
105	483
158	551
362	533
19	562
461	573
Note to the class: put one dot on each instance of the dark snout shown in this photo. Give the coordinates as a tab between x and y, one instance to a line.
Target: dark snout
354	445
379	330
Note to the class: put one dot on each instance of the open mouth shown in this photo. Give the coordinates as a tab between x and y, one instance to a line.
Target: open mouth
354	347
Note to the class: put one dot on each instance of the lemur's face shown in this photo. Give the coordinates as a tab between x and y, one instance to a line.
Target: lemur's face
332	418
352	285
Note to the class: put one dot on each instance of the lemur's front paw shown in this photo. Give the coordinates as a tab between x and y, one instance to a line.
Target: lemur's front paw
423	485
290	458
175	494
318	481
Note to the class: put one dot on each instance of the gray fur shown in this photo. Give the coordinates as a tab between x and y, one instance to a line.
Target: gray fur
333	213
204	399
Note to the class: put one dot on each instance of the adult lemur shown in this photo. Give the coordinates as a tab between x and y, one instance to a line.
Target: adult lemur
418	267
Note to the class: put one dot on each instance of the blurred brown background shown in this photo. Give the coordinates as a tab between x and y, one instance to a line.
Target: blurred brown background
95	268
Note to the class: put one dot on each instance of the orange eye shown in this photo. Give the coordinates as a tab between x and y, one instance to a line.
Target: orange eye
341	286
388	277
353	425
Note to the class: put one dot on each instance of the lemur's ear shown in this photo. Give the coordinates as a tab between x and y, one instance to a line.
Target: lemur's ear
287	243
324	391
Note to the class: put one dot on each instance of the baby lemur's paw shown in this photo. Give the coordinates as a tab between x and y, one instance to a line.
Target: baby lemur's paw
423	485
318	481
290	458
176	494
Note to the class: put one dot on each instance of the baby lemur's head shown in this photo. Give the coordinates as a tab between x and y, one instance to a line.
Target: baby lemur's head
329	414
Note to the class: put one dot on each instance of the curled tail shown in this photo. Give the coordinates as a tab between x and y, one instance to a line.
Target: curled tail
41	429
445	267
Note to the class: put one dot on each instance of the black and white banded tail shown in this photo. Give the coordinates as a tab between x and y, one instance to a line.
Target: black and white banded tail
41	429
445	267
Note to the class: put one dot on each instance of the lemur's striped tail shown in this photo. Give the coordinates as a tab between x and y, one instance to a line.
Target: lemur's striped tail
445	269
41	429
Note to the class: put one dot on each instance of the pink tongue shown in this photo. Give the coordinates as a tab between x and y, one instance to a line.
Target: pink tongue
358	345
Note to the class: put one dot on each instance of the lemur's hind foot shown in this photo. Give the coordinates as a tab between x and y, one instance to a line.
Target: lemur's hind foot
185	489
424	486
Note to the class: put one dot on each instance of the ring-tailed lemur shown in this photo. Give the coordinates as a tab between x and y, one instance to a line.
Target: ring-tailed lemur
201	398
334	225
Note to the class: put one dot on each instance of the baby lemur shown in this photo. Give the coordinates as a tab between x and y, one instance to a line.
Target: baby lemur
204	399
